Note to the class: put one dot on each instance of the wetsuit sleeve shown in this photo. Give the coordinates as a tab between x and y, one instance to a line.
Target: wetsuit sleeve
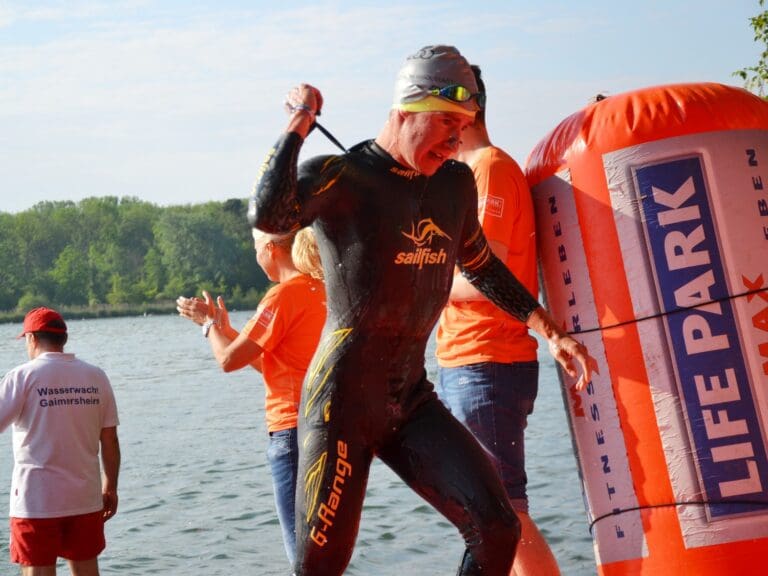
285	197
488	274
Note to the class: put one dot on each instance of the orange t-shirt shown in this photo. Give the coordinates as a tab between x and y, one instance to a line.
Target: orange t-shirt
287	326
477	331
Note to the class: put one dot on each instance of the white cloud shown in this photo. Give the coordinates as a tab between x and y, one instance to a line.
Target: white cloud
91	88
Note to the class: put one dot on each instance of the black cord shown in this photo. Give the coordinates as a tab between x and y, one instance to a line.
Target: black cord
669	312
693	502
329	136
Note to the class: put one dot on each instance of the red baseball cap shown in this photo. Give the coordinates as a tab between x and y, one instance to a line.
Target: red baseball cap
43	320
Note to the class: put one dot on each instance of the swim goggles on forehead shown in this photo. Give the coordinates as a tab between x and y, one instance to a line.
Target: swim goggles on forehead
457	93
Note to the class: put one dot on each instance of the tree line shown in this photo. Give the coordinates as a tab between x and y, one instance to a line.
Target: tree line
125	252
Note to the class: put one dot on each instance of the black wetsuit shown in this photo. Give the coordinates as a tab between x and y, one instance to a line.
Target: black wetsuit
389	239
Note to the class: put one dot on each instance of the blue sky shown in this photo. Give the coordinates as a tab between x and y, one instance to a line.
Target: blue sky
177	102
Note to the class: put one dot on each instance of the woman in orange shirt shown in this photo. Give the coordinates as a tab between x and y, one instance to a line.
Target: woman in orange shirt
279	341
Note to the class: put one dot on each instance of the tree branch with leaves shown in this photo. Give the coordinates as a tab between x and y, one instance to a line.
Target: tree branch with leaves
755	77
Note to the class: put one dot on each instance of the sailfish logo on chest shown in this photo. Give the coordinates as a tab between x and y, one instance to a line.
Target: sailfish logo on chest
423	232
422	235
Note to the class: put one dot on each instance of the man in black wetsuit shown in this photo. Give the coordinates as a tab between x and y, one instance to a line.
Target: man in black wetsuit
392	217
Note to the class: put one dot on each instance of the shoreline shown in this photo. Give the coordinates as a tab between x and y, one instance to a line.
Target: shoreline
100	311
163	307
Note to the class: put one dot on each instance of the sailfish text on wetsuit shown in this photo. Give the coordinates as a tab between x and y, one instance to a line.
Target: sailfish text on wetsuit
421	235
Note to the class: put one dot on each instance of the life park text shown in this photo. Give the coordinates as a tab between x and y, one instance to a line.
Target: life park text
703	333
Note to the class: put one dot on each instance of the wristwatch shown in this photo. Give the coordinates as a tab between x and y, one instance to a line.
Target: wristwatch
207	326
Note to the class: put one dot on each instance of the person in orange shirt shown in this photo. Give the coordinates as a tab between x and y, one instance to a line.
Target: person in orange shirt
279	341
488	368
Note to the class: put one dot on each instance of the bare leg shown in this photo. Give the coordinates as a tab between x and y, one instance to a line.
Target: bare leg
534	557
38	570
84	567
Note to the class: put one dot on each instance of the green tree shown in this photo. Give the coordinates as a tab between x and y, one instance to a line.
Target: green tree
206	247
125	251
12	272
247	274
39	237
100	218
127	246
42	232
70	276
755	77
153	277
31	300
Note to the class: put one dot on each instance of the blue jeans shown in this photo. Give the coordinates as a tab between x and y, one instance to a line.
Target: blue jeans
494	401
283	457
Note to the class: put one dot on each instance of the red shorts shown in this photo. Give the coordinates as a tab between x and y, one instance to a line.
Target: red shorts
40	541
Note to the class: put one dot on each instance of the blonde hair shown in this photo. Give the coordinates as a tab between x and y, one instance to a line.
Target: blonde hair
306	255
301	245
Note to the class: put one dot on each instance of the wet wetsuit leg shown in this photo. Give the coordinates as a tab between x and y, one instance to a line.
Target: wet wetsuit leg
441	460
333	474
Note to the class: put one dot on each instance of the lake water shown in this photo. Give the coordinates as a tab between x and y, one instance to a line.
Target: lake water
195	490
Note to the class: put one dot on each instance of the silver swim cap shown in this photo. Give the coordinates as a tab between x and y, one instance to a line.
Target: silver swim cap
436	78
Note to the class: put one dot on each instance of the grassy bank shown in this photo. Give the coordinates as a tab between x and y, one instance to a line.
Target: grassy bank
100	311
248	302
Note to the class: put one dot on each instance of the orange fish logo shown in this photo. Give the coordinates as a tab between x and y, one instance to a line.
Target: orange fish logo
423	232
421	235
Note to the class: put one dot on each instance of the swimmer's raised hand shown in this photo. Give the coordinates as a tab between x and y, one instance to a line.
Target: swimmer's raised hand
303	102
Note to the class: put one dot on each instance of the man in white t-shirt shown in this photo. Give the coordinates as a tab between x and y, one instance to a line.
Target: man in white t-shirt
63	414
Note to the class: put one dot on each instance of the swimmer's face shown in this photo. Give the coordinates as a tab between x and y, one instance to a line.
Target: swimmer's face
427	139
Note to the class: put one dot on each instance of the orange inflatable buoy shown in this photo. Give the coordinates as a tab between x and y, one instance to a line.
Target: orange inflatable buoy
652	220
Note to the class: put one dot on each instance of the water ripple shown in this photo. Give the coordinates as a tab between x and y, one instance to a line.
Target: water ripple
195	489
